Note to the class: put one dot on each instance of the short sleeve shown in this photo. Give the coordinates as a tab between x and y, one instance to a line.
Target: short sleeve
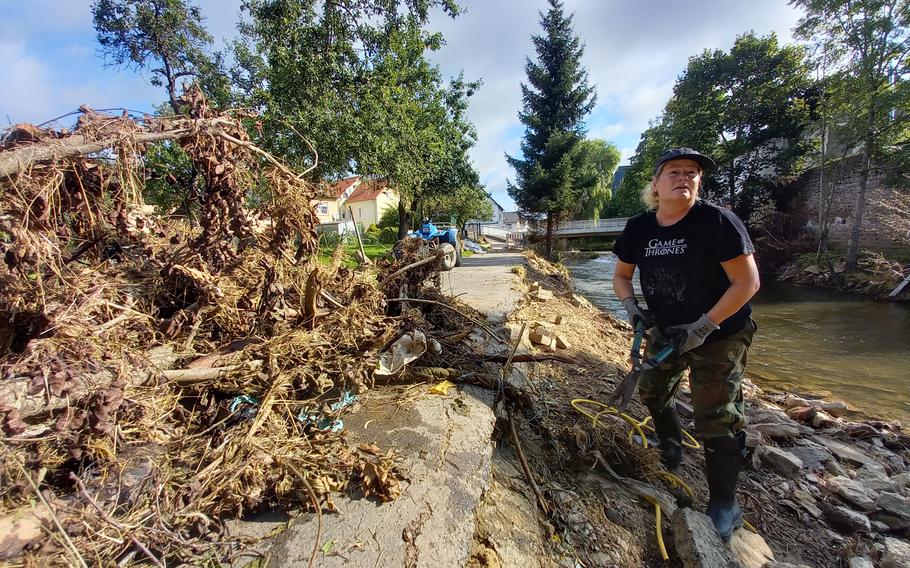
732	239
623	248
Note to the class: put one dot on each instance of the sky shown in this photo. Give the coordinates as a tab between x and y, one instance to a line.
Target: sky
634	52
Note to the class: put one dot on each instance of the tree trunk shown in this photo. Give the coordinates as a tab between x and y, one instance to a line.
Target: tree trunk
549	245
404	219
731	180
858	208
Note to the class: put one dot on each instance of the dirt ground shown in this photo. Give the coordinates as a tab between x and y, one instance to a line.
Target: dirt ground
596	521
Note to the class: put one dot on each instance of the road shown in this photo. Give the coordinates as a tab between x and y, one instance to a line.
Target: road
486	283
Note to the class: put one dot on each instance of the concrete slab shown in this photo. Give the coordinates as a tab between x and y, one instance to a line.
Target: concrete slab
486	283
445	450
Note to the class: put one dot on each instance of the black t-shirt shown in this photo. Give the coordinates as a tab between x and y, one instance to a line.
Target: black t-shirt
680	271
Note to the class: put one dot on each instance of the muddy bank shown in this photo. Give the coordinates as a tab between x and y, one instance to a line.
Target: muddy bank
820	489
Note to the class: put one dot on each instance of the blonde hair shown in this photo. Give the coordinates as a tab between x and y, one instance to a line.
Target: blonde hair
648	194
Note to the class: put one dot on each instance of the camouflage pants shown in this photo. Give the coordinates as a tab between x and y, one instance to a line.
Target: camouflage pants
715	380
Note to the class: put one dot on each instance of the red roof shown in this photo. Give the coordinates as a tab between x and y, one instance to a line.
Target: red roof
337	188
368	191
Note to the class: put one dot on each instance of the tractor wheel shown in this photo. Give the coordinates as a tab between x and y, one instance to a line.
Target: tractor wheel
449	255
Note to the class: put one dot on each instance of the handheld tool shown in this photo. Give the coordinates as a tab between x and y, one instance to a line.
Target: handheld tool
626	388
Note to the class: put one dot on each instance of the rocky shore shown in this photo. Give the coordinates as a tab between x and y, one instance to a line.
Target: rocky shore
822	487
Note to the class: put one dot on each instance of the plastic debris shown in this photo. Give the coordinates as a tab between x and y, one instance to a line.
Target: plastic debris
441	388
407	348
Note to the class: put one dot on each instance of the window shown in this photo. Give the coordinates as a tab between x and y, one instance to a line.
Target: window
322	209
360	212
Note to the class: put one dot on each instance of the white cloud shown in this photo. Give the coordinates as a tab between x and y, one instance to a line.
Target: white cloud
634	52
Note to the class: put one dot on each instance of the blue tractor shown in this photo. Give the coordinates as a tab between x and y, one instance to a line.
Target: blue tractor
444	237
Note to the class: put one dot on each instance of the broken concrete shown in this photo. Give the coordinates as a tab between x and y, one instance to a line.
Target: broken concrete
697	542
445	449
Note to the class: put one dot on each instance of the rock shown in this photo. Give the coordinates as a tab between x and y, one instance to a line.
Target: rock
807	502
834	468
860	562
534	286
783	462
902	479
543	336
880	527
697	543
802	413
812	478
823	420
835	408
813	455
784	565
562	342
541	295
581	302
777	431
754	439
846	519
860	430
894	504
892	523
876	480
20	529
750	549
849	452
852	492
791	401
897	554
559	320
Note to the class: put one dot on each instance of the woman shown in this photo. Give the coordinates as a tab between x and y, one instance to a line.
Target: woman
697	273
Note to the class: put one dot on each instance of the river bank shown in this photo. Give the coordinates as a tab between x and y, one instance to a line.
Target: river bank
822	488
818	342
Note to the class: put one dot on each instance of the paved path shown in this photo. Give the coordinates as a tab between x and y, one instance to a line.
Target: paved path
486	283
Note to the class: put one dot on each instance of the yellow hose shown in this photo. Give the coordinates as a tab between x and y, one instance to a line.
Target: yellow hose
639	427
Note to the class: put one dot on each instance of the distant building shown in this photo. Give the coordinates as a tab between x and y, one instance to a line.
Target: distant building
331	196
369	201
514	222
495	218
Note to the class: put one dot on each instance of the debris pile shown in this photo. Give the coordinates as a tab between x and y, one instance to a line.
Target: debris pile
155	376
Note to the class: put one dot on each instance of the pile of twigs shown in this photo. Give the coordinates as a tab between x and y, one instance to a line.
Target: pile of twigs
156	377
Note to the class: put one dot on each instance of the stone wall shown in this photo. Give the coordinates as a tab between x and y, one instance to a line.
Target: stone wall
841	217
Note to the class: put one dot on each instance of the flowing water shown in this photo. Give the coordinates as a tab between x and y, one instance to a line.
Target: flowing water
813	341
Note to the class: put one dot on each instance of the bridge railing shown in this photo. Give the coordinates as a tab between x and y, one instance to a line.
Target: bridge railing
593	225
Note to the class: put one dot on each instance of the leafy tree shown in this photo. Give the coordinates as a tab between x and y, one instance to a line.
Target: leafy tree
167	36
464	204
748	109
600	159
871	51
627	200
549	176
309	66
423	142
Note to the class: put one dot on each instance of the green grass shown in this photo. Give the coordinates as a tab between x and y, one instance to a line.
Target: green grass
372	251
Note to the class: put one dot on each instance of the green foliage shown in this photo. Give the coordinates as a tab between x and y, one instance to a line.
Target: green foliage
600	158
171	180
867	44
627	201
549	175
389	218
465	203
748	109
167	37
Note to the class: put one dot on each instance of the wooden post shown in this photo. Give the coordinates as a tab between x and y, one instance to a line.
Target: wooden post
363	253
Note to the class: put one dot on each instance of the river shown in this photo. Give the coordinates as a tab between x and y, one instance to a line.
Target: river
813	341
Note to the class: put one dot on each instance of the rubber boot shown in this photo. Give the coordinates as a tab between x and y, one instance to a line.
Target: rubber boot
724	459
669	432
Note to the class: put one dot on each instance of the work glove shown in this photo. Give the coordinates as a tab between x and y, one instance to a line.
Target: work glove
687	337
636	313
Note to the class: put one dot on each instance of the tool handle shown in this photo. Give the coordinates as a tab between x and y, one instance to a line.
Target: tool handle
661	356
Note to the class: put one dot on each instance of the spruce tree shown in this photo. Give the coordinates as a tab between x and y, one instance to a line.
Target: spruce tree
556	99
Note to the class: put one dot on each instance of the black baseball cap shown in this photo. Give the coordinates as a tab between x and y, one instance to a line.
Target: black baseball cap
705	162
